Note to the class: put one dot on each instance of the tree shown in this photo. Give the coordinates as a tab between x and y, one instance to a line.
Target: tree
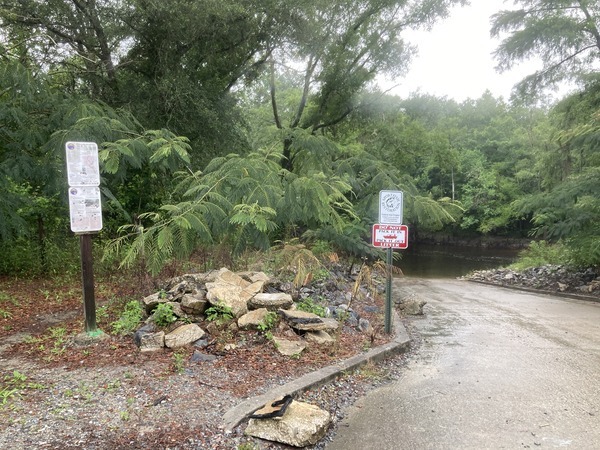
342	46
81	39
38	118
565	34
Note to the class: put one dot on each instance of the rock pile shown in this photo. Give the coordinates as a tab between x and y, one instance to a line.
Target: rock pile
250	297
553	278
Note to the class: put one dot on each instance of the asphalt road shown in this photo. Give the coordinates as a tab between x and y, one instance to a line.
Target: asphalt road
496	369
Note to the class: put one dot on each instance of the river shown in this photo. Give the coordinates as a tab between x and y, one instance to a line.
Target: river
450	261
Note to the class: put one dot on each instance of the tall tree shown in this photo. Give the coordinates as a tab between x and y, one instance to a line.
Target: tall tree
342	46
565	34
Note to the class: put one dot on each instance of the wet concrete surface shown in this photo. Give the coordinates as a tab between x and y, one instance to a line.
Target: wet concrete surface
496	369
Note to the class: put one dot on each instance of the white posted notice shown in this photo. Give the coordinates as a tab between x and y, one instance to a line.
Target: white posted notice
85	208
83	168
83	173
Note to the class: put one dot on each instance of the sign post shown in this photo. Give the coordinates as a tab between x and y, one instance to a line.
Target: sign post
83	173
389	233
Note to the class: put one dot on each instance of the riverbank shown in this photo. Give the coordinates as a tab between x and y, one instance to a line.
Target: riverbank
549	278
476	241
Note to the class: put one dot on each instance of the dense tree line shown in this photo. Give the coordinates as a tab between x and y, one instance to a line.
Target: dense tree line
239	123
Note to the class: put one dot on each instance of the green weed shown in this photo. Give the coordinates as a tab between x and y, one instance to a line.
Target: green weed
178	362
268	322
129	319
219	313
163	315
309	305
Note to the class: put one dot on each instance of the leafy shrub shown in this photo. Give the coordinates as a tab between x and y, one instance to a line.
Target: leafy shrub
219	313
163	315
541	253
269	322
309	305
130	318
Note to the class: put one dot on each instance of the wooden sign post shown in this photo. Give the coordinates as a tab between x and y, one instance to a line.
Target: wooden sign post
83	171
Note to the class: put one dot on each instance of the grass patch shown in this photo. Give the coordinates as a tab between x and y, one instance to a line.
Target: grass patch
542	253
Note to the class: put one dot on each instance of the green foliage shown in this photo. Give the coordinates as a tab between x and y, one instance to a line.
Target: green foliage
178	362
163	315
12	385
311	306
129	319
562	35
219	313
540	253
269	322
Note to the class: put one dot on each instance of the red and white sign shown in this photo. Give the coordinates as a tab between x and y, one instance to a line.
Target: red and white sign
390	236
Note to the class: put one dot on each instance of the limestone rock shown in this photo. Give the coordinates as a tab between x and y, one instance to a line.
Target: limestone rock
184	335
287	347
252	319
301	425
319	337
194	303
151	342
365	326
305	321
272	302
152	301
232	291
413	306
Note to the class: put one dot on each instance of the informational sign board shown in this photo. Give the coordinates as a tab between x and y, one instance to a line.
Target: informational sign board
83	174
390	236
85	208
391	207
83	168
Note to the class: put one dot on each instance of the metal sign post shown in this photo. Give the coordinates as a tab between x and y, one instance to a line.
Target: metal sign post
388	292
83	172
389	233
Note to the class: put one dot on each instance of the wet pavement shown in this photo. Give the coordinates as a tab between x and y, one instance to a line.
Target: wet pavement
496	369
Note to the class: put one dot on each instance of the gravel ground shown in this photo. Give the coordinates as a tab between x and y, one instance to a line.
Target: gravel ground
141	405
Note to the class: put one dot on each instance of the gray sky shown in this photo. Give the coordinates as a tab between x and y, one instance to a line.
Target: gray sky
455	57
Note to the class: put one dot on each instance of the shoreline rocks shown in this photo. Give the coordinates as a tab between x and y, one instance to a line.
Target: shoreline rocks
550	278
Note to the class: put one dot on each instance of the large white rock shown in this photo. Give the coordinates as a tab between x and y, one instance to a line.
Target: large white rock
253	319
184	335
233	291
301	425
319	337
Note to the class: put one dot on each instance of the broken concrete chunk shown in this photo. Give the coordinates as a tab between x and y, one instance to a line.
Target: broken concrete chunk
301	425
